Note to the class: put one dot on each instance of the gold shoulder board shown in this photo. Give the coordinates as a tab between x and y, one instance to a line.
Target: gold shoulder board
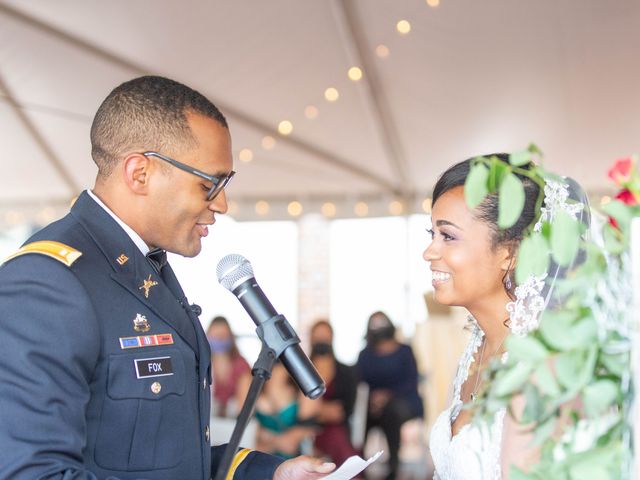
59	251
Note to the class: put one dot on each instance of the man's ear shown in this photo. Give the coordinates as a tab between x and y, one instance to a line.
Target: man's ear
136	169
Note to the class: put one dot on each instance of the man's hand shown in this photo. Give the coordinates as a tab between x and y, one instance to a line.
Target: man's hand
303	468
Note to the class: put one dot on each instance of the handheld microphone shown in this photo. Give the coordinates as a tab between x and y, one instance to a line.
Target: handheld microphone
236	275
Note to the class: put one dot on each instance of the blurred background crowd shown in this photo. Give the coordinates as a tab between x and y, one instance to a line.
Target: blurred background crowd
386	400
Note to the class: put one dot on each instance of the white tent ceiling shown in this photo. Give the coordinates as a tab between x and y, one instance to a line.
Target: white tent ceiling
472	76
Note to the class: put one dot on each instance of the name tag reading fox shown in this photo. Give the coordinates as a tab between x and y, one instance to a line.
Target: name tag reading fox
153	367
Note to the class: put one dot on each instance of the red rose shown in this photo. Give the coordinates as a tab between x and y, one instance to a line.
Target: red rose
627	197
621	170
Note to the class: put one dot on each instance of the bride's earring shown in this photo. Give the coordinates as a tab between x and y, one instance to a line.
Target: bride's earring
507	282
508	285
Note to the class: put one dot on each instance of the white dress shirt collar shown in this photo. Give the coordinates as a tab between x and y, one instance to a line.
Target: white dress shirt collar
144	248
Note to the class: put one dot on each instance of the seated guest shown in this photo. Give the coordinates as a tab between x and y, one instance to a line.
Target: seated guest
336	405
389	368
286	418
231	373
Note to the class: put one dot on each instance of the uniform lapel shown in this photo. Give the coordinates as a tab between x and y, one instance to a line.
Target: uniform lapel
132	270
159	299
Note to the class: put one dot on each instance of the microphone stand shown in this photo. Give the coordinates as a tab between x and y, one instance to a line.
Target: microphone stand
272	346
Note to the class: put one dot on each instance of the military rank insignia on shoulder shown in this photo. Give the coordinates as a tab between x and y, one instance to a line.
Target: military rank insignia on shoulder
56	250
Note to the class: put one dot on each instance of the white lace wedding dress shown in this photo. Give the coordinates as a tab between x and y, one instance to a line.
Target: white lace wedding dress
474	452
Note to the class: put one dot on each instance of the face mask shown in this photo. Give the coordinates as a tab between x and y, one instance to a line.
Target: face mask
321	348
220	346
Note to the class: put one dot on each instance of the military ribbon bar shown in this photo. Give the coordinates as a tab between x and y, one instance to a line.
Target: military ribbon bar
146	341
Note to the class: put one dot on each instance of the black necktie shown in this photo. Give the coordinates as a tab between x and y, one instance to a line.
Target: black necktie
158	259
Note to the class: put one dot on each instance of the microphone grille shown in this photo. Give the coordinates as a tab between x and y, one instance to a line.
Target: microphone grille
232	270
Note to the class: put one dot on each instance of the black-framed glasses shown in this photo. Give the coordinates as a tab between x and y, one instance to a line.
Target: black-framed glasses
219	182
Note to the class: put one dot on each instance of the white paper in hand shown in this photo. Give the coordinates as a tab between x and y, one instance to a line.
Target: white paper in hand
351	467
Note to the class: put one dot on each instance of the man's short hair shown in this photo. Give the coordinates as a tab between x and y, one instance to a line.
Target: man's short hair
146	113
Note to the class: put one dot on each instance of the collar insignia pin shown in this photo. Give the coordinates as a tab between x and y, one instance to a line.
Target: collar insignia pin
122	259
146	286
141	324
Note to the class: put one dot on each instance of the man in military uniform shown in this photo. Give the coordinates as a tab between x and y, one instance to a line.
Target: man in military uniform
104	367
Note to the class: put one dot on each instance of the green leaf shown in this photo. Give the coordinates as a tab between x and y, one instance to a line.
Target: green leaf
616	364
555	328
574	369
562	330
544	430
495	404
497	171
567	367
594	263
614	242
475	187
546	230
546	381
534	405
533	257
584	332
621	212
527	349
589	363
552	177
512	379
589	470
511	201
595	464
565	238
533	149
517	159
634	184
517	474
597	396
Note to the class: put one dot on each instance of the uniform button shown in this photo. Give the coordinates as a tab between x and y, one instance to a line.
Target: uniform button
206	433
156	387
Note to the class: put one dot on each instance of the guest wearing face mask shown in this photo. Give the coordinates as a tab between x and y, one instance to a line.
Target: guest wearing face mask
231	372
336	405
389	368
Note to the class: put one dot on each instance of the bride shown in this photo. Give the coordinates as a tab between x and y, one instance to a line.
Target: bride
472	264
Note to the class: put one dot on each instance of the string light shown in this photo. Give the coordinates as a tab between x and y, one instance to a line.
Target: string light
262	208
361	209
426	205
382	51
245	155
268	142
433	3
354	74
403	27
604	200
328	209
331	94
311	112
294	208
396	207
285	127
